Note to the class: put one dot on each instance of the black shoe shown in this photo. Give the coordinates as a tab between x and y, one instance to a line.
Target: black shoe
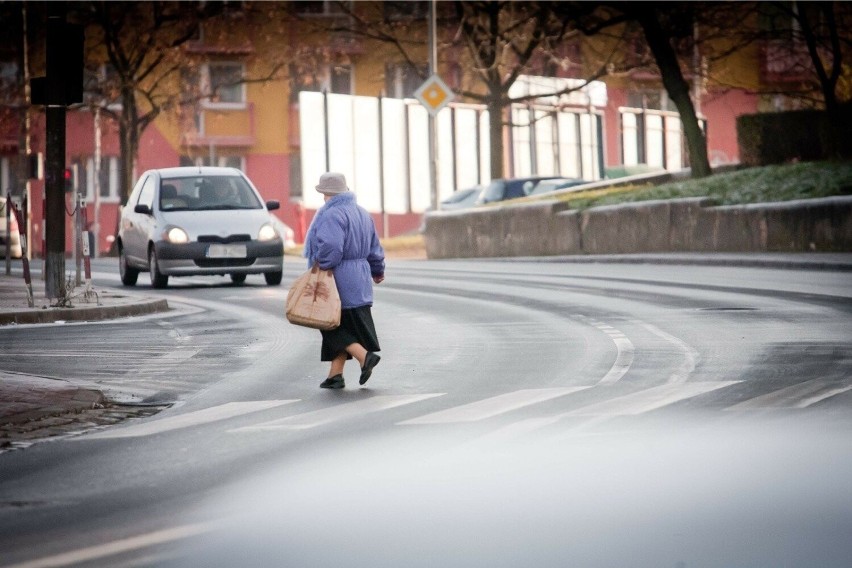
370	361
335	382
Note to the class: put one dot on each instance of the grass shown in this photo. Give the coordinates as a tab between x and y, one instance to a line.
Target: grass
786	182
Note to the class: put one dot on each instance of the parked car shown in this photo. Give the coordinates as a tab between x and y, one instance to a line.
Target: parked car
462	199
548	185
193	221
14	244
502	189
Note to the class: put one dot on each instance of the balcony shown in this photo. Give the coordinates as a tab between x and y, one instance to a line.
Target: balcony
233	127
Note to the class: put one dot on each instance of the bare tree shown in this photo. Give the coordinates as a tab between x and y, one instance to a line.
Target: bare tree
139	43
668	31
499	41
822	31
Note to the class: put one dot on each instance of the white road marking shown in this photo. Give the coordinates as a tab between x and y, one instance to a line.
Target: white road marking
492	406
337	412
632	404
213	414
116	547
800	395
179	355
624	351
686	368
649	399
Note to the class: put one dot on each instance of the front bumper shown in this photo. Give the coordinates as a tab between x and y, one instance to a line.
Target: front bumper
192	259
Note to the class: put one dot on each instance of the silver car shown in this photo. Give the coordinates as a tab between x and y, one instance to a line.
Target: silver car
198	221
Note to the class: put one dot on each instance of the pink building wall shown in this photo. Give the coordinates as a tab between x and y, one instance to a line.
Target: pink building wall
271	172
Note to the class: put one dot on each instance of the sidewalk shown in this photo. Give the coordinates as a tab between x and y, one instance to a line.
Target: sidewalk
31	404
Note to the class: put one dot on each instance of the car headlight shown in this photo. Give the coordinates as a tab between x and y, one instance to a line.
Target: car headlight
175	235
267	233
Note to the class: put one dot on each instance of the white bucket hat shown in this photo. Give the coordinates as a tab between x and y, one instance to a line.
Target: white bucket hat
332	183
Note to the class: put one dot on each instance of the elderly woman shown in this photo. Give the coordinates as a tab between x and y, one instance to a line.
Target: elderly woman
343	238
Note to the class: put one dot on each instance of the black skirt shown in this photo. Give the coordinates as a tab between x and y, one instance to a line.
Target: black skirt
356	326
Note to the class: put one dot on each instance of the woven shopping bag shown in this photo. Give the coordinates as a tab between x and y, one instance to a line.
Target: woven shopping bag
313	300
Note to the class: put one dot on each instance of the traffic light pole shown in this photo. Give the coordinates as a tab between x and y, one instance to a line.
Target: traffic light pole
54	166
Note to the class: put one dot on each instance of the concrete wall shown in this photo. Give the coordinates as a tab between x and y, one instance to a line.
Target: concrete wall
548	228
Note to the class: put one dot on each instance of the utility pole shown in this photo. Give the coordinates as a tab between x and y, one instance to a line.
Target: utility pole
433	122
62	86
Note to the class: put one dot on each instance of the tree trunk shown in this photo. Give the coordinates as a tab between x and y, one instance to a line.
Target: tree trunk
495	138
678	90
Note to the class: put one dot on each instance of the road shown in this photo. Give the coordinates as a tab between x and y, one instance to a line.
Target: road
524	414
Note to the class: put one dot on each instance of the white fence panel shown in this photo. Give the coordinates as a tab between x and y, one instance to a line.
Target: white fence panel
418	137
365	146
312	127
444	127
629	139
467	171
674	145
395	156
485	150
545	143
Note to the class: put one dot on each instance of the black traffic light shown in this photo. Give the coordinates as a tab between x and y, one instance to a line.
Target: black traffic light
68	176
64	82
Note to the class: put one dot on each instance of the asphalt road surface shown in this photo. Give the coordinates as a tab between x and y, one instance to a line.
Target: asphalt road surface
524	414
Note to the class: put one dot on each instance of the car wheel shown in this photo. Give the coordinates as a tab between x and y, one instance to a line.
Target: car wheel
238	278
273	278
129	275
158	280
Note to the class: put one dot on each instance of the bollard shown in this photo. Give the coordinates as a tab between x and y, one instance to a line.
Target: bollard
24	260
87	265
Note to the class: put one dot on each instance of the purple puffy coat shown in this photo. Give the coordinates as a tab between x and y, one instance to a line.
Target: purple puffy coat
342	237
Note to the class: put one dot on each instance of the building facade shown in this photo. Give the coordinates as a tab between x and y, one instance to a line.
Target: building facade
348	106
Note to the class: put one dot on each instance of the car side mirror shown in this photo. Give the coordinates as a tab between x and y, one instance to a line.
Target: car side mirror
272	205
144	209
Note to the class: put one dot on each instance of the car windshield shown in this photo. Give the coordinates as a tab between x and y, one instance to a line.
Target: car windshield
461	195
200	193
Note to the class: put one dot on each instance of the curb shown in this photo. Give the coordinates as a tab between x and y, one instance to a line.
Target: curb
688	260
75	400
94	313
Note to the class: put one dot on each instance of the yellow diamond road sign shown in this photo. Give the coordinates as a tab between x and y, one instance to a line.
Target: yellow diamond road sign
434	94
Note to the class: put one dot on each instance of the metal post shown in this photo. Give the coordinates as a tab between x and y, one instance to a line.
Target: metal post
86	250
78	239
25	262
382	172
96	227
325	126
433	125
55	156
7	212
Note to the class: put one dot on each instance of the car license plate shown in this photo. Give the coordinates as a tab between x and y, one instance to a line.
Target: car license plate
226	251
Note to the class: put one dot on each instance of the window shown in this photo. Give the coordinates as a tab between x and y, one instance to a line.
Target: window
108	178
652	99
340	79
8	177
8	76
329	78
224	84
146	196
221	161
401	79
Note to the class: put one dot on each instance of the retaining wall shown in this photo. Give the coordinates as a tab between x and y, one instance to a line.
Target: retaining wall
547	228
